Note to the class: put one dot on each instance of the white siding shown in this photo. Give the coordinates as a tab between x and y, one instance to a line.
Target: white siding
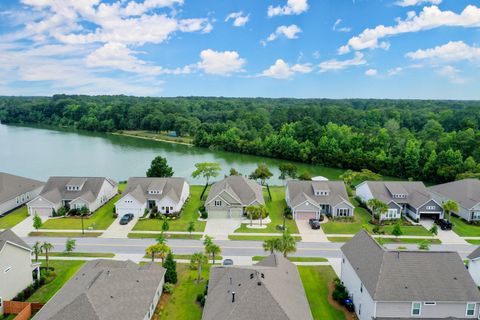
342	205
440	310
128	204
22	199
363	192
42	207
106	193
474	269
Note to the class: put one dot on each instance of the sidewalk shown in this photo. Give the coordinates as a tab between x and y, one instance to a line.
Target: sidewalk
24	228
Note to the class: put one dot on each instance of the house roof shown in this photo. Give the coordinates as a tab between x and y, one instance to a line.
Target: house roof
417	193
301	191
12	186
466	192
270	290
392	275
138	188
55	189
9	236
244	190
475	254
106	290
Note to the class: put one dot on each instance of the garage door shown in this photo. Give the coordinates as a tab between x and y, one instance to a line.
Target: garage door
236	213
217	214
305	215
137	212
42	212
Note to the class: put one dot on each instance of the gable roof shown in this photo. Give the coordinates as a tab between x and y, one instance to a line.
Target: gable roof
246	191
106	290
9	236
417	193
475	254
466	192
55	189
391	275
12	186
301	191
271	289
138	188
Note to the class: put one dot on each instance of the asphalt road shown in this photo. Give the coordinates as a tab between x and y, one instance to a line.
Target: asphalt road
229	248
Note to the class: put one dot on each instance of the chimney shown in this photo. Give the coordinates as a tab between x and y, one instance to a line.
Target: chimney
233	296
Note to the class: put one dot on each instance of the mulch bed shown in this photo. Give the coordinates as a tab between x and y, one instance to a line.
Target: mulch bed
336	305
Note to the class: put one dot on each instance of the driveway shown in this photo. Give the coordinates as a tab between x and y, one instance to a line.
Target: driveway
219	229
308	234
447	237
116	230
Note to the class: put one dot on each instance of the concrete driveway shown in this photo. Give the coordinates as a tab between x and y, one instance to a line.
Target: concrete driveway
219	229
447	237
116	230
308	234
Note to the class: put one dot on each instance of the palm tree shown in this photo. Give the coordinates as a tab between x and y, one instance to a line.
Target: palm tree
158	249
251	212
271	245
161	239
207	240
214	250
287	244
199	259
262	213
46	246
378	208
449	206
37	250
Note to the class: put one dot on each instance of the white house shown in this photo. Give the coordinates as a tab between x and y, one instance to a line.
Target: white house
474	265
167	194
16	191
16	267
73	192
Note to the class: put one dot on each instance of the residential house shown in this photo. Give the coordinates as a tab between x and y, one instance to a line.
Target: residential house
465	192
229	197
271	289
16	191
310	199
474	265
73	192
16	267
107	290
167	194
396	284
402	197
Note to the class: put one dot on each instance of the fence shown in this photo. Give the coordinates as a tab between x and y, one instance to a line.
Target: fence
23	310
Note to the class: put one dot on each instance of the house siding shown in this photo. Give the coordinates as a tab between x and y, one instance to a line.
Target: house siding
342	205
474	269
435	208
363	192
464	213
440	310
156	298
124	206
42	207
11	204
107	192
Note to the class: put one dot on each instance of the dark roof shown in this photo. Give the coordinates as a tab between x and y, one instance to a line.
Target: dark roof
270	290
301	191
475	254
138	188
106	290
466	192
9	236
12	186
244	190
417	193
393	275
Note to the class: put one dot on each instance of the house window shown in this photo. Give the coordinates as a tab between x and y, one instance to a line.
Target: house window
392	213
7	269
430	207
416	308
476	215
361	287
471	309
218	203
171	208
343	212
430	303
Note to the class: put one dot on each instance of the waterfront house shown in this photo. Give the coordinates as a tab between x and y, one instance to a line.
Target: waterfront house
16	191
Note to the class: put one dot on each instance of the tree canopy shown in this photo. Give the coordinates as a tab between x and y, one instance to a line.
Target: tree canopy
159	168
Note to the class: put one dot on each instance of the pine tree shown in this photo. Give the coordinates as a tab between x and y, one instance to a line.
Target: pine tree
171	266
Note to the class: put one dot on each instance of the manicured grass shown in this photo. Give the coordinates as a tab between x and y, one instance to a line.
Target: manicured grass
474	242
181	304
81	254
389	240
257	238
315	281
296	259
65	234
362	218
64	270
136	235
463	229
275	207
188	257
100	220
189	213
13	218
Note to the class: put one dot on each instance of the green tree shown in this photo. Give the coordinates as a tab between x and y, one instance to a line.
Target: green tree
433	230
207	170
261	173
161	239
411	158
213	250
37	221
171	268
424	245
207	240
397	229
70	245
165	226
234	172
47	247
450	206
191	227
252	213
37	250
159	250
159	168
305	176
287	244
287	170
198	259
262	213
378	208
272	245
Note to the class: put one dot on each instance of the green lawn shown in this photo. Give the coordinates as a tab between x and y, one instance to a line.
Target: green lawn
14	218
296	259
64	270
65	234
389	240
275	208
189	213
100	220
181	304
362	217
315	282
474	242
136	235
463	229
81	254
257	238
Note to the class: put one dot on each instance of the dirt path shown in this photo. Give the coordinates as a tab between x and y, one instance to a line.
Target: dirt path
348	315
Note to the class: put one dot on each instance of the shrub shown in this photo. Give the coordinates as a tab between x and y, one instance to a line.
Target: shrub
168	287
204	214
340	293
202	302
200	296
378	230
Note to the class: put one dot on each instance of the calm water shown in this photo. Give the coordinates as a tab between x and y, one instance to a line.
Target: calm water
39	153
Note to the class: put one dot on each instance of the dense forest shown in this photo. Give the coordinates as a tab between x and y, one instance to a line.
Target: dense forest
420	139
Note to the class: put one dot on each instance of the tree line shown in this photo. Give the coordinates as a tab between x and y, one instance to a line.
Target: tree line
430	140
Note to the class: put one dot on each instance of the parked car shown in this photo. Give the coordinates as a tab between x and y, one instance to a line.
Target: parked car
444	224
126	218
314	223
228	262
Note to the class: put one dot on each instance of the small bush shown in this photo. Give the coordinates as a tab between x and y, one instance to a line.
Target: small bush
200	296
204	214
340	293
168	287
202	302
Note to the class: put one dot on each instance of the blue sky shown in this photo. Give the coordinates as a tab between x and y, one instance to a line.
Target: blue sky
245	48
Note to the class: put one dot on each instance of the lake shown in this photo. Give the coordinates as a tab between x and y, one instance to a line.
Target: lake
42	152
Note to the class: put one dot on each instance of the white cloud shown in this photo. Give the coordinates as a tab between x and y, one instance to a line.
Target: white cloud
343	49
239	19
452	51
220	62
292	7
452	73
371	72
342	29
282	70
334	64
429	18
408	3
394	71
289	32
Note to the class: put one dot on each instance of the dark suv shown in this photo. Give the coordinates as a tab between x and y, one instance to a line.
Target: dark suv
314	223
126	218
444	224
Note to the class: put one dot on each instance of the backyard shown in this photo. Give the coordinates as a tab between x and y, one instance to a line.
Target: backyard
13	218
463	229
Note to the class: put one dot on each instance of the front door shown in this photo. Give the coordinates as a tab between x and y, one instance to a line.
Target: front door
167	210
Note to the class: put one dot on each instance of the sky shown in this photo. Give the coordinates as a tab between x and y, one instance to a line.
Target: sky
415	49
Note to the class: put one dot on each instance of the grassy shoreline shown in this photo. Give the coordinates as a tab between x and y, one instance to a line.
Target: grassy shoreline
140	134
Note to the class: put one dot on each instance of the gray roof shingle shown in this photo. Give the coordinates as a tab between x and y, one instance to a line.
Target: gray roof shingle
12	186
466	192
417	193
390	275
475	254
138	188
9	236
244	190
270	290
105	290
301	191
